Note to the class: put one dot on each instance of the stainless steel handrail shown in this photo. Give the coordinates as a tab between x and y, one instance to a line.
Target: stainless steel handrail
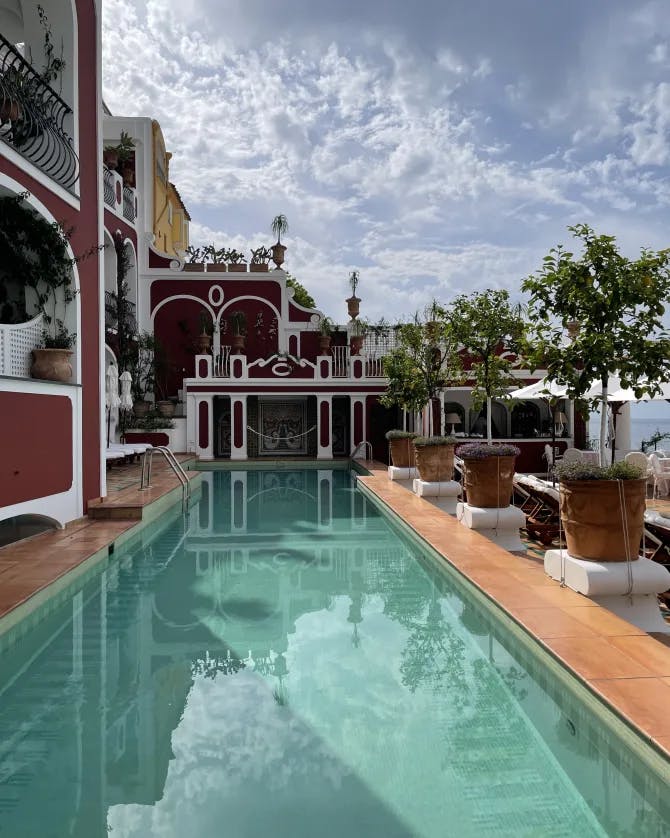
174	465
367	449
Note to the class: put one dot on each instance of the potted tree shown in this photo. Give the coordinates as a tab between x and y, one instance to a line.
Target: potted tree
238	325
353	302
487	325
279	228
602	510
619	305
119	155
358	331
204	339
488	475
435	458
402	450
325	335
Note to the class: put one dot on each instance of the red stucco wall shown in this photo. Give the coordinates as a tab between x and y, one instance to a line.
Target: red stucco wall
36	442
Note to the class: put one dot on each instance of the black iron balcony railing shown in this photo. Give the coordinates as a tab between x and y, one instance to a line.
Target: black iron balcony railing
129	203
32	117
108	187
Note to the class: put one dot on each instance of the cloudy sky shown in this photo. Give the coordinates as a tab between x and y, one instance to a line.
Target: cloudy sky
437	146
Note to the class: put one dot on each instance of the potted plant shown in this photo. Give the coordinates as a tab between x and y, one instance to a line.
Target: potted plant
325	335
119	154
215	258
602	510
141	367
162	373
487	325
195	259
238	325
402	450
204	339
353	302
51	361
15	87
237	261
260	258
358	331
279	227
614	308
419	367
435	458
488	475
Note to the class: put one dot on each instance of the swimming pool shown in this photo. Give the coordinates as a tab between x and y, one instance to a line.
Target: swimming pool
285	662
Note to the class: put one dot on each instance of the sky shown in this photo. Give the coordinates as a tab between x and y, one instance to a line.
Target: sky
436	146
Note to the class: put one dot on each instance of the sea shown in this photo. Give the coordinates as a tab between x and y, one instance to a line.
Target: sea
646	419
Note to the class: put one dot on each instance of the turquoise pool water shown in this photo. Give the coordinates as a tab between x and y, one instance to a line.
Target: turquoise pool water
282	662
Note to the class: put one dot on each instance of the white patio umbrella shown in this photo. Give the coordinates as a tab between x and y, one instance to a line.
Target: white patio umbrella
543	389
628	395
112	387
126	400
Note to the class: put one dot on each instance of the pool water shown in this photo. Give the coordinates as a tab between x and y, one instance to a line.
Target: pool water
283	662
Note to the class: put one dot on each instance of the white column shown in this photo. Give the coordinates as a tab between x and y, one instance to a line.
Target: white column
325	497
324	404
623	429
190	423
238	427
238	501
570	405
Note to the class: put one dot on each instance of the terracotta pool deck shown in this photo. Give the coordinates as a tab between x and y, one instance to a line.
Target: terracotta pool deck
627	668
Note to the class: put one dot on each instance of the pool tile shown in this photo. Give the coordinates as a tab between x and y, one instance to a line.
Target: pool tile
647	651
604	622
644	699
596	657
552	622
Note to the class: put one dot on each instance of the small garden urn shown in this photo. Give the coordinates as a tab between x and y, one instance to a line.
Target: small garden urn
51	364
353	306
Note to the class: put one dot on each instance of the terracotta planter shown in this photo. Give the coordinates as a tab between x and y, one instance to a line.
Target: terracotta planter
402	452
258	267
111	159
489	481
194	267
324	344
128	175
237	343
238	269
278	251
357	342
591	518
165	408
435	462
203	343
353	306
51	364
141	408
10	111
215	267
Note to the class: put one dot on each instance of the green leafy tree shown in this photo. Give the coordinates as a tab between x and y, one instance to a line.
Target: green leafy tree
618	304
486	324
302	295
424	361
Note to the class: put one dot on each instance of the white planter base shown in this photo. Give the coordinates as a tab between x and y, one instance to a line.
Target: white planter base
607	582
443	494
396	473
498	525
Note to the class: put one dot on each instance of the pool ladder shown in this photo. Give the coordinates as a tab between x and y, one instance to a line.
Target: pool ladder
367	450
174	465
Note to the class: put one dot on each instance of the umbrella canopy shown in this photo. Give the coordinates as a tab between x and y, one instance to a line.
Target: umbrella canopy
112	386
543	389
126	400
628	395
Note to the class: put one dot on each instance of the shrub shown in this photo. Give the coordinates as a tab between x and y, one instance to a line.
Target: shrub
587	471
426	441
480	451
399	435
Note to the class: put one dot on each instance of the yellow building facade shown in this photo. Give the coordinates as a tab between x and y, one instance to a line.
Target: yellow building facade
171	218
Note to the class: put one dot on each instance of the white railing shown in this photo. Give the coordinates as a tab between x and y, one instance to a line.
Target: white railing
221	363
374	366
340	361
16	343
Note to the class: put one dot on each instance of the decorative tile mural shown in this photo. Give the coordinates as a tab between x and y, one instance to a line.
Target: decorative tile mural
282	428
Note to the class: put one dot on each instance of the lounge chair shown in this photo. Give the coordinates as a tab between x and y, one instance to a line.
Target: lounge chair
541	507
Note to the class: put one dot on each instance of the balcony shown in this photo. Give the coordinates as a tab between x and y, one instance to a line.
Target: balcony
129	204
32	117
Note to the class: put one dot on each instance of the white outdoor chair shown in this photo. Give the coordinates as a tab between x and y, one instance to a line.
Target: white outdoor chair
637	458
549	457
661	472
572	455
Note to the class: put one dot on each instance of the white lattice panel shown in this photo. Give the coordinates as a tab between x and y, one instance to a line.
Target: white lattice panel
16	344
